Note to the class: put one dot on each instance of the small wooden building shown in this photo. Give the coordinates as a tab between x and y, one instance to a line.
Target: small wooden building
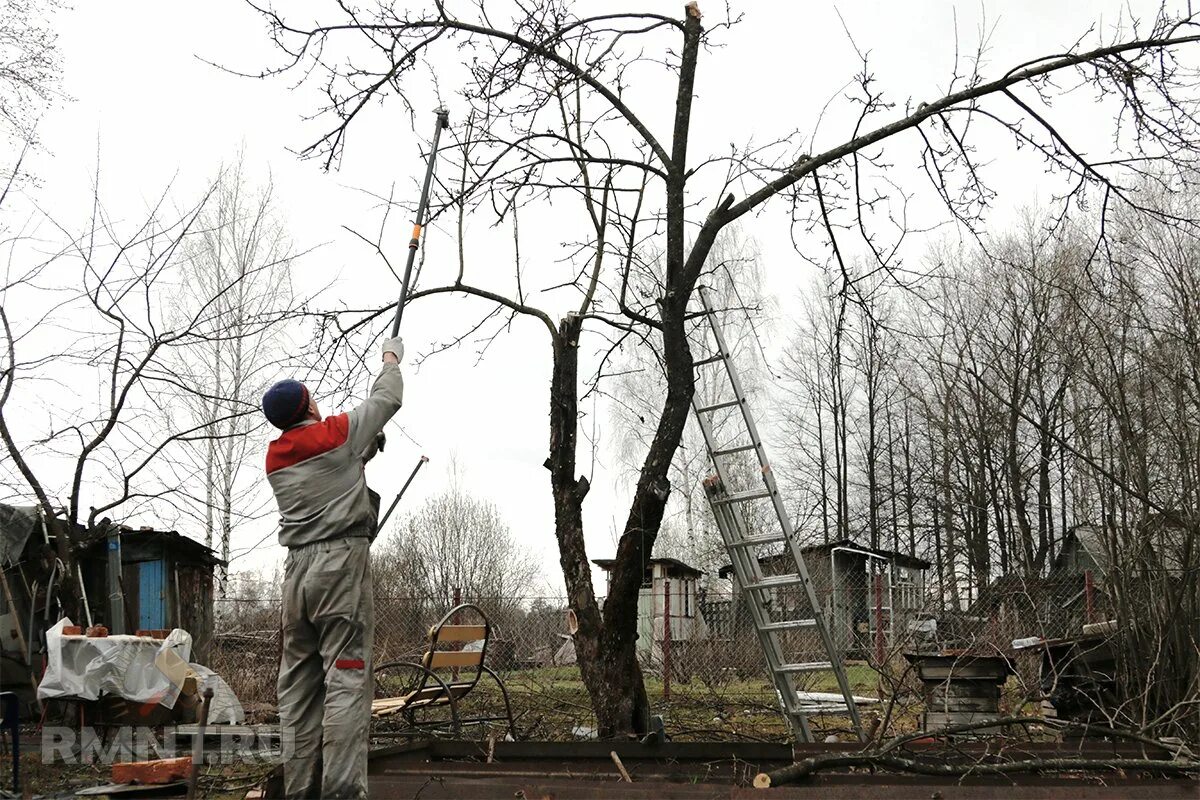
668	591
166	581
163	580
858	587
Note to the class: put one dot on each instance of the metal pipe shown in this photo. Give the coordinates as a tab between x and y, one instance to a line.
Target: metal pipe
87	608
857	551
666	639
116	590
50	589
198	743
443	121
178	605
32	616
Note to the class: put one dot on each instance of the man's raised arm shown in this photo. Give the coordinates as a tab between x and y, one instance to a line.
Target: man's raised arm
387	394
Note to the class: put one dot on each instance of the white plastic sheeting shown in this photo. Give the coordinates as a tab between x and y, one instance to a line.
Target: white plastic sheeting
137	668
226	708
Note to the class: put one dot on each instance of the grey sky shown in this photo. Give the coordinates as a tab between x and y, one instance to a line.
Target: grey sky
156	112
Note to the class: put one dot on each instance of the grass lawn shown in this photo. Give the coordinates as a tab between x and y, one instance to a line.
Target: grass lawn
550	703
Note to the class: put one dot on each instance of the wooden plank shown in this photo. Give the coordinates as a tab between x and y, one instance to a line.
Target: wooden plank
430	695
453	658
459	633
751	752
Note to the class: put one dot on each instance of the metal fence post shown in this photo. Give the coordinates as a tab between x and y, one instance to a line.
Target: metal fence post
879	619
1089	596
666	639
457	620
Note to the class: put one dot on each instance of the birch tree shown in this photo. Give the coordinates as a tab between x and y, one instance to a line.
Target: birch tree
240	242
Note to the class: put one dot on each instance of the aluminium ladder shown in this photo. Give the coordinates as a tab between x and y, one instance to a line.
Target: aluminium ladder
730	505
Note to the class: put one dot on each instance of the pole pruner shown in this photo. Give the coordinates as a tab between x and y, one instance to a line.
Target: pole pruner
443	122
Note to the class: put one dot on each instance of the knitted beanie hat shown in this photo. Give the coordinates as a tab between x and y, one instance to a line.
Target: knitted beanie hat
285	403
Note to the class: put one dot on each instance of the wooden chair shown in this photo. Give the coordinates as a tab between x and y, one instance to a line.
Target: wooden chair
444	677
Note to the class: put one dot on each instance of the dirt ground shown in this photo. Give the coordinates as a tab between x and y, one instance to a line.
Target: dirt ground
548	705
227	782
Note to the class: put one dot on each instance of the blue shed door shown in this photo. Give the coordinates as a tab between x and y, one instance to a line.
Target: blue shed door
152	595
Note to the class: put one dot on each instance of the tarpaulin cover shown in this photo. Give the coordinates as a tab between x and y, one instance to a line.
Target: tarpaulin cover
226	708
17	524
136	668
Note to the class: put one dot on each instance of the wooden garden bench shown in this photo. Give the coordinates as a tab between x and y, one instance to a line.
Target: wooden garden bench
445	675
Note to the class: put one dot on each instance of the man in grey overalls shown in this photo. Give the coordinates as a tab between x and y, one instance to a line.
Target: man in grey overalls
327	522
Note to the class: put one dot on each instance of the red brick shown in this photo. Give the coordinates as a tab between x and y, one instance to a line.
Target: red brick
153	633
164	770
97	632
72	630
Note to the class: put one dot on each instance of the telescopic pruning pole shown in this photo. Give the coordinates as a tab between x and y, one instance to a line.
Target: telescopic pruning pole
443	121
424	460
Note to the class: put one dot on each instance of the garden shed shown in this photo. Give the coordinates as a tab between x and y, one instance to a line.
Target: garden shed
165	581
861	589
133	579
668	593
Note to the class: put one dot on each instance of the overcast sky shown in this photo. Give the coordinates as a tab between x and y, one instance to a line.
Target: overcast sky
146	101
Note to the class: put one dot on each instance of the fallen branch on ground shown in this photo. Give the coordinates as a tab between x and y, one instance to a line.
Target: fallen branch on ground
884	757
811	766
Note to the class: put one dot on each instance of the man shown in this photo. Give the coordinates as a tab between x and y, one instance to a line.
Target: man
327	522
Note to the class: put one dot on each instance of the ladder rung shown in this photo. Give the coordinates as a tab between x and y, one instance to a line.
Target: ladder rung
776	581
809	709
709	360
739	497
718	406
741	448
806	666
789	625
762	538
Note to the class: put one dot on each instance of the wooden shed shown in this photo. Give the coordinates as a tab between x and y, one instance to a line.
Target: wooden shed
668	593
165	581
154	580
860	588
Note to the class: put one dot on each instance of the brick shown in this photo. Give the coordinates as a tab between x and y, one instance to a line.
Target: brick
97	632
164	770
72	630
153	633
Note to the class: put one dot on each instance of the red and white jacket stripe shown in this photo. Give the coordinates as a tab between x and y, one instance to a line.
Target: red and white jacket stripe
316	469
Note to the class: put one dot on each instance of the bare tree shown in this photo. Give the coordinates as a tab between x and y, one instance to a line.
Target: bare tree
1052	388
455	542
637	383
239	242
30	67
546	118
84	423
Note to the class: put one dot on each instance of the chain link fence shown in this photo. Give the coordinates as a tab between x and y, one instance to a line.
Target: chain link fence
704	667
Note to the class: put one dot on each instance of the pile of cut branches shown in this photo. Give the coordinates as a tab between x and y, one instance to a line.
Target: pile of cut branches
1005	755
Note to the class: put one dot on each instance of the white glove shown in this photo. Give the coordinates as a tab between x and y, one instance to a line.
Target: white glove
395	346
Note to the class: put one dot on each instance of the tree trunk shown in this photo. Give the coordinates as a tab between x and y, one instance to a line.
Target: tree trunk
569	492
629	711
909	489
